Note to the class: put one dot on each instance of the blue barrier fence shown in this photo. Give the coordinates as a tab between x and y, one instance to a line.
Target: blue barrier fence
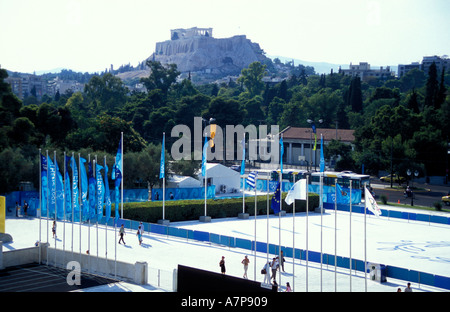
301	254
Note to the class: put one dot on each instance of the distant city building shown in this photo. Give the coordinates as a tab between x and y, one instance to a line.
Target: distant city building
366	73
404	68
64	86
24	86
441	62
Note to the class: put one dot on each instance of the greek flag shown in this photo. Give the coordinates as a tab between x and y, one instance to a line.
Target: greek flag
251	180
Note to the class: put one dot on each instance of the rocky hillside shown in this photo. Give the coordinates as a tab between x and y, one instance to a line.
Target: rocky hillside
209	57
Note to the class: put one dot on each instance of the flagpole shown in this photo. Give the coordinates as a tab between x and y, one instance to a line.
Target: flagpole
243	178
121	167
279	213
79	195
40	201
307	221
89	222
64	208
293	240
48	182
365	245
335	235
164	178
106	213
267	230
56	209
350	236
254	262
72	198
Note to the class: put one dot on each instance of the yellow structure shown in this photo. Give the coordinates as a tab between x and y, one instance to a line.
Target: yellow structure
2	213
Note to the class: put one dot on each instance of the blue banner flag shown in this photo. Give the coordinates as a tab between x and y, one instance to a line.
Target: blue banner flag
243	156
68	189
205	146
92	192
343	196
59	194
281	154
162	171
84	190
44	185
52	188
251	180
107	196
275	205
118	179
322	159
75	201
100	191
116	175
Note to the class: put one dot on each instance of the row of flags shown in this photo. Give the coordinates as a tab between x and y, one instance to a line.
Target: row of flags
78	194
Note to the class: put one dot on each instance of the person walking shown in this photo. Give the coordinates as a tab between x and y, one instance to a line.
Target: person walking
408	288
121	233
245	262
17	209
222	265
288	287
139	234
274	267
266	272
54	229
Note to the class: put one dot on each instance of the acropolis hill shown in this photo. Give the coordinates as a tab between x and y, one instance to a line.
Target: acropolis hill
196	51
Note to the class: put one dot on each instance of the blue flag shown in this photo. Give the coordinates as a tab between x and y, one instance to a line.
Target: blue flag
100	192
84	190
107	196
118	179
205	146
59	194
342	195
162	171
92	192
243	157
322	159
116	175
68	190
52	188
281	154
44	185
275	205
75	201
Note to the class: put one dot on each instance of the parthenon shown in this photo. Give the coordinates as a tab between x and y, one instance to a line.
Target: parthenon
182	33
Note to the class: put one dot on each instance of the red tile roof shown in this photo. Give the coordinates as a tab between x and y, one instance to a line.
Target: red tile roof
328	134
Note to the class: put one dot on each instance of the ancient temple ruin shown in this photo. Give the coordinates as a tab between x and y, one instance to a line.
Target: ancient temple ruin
193	32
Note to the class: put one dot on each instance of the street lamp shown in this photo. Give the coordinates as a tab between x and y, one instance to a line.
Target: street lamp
313	126
409	173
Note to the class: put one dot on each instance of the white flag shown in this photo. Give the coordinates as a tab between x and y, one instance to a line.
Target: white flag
297	191
371	204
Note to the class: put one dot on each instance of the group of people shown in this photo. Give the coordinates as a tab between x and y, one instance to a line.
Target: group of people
25	209
270	266
139	233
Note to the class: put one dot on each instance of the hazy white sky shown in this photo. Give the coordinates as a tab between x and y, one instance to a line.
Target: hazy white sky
90	35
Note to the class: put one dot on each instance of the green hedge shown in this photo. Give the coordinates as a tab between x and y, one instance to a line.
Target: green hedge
182	210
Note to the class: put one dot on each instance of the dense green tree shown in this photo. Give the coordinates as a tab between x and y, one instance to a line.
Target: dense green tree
161	77
251	78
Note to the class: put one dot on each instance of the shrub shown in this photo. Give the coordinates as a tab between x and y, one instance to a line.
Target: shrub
181	210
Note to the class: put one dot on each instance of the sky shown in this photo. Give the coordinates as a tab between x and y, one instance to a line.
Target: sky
92	35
